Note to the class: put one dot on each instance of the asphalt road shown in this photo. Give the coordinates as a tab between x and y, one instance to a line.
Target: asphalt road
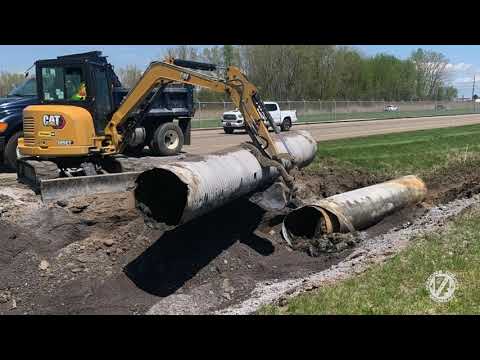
205	141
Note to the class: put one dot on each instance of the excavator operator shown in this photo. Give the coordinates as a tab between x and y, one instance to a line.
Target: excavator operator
81	92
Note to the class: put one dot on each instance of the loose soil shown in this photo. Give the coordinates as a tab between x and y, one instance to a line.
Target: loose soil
96	255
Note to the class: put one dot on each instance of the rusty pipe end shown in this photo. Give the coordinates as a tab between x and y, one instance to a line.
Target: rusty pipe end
309	222
353	210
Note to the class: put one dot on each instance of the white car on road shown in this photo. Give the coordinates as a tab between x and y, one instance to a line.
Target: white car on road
233	120
390	108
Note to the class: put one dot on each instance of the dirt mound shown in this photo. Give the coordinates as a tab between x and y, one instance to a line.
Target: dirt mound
331	180
97	255
458	180
61	252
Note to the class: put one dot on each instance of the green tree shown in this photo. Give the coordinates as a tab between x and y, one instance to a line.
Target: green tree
228	55
326	72
451	93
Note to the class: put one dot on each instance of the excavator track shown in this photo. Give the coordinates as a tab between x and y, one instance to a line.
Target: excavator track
33	172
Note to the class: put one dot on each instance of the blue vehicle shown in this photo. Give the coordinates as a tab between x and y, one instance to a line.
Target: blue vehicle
11	123
172	102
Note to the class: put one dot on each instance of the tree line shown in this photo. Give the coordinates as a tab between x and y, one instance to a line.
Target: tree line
329	72
312	72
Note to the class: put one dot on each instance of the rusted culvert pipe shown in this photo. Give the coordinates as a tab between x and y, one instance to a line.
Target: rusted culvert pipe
353	210
180	191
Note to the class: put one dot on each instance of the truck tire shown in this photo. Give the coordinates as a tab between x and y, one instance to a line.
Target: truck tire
286	124
167	140
228	130
11	150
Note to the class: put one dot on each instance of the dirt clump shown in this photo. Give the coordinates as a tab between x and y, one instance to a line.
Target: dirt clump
327	243
458	180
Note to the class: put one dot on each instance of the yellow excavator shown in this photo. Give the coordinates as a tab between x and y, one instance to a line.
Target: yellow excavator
76	131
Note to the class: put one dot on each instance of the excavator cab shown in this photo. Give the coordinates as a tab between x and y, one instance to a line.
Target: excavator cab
84	81
76	103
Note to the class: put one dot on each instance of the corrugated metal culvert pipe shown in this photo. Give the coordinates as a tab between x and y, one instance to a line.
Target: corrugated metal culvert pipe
179	191
353	210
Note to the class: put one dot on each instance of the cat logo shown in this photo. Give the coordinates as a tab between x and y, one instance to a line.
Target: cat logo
55	121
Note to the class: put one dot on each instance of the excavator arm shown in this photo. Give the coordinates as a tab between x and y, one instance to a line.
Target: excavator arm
44	175
242	93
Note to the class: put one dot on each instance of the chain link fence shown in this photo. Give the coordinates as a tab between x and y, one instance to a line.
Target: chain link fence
209	114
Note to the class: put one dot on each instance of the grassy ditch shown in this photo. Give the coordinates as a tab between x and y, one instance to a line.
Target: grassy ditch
398	286
420	151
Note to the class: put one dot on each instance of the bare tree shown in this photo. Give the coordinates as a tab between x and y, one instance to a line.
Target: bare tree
129	75
8	81
431	72
184	52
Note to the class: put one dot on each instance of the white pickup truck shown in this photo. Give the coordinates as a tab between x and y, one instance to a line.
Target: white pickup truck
233	120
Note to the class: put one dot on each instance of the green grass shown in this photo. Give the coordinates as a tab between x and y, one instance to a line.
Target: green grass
398	286
207	123
416	151
322	117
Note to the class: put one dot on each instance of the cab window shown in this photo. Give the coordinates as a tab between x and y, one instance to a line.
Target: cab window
27	88
271	107
63	84
53	84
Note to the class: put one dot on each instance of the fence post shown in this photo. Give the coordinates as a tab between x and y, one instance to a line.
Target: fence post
304	107
199	114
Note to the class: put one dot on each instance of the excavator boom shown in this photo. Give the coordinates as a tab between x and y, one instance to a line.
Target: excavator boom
243	94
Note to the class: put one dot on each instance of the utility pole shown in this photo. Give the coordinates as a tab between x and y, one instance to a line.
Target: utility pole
473	87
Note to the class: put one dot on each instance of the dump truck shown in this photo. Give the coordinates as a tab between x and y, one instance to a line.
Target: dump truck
11	123
80	133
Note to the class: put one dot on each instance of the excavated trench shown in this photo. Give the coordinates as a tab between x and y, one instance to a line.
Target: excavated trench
97	255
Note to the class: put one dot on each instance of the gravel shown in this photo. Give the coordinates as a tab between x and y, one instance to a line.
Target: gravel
370	251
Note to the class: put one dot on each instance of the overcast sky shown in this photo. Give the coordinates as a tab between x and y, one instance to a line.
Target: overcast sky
464	59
